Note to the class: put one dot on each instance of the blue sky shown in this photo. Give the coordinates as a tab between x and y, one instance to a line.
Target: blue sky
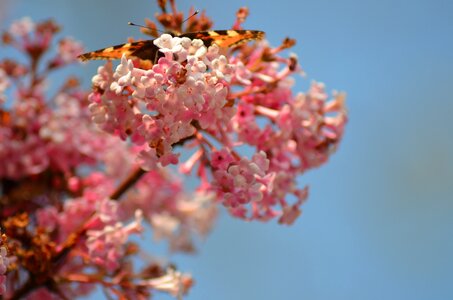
378	223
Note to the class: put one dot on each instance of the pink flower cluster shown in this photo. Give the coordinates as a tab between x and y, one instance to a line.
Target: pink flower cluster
37	136
106	241
161	106
61	177
223	103
40	137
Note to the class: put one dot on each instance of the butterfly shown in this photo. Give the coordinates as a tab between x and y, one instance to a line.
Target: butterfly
147	52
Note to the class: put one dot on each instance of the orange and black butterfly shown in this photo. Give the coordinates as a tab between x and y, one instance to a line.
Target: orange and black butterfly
147	52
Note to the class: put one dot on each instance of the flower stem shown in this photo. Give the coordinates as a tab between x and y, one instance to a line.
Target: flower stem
126	184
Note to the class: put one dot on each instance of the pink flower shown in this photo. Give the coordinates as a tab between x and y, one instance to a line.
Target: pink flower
175	283
291	212
33	39
22	27
173	46
174	214
4	84
48	218
68	50
123	75
148	159
315	124
221	159
164	225
106	245
241	182
104	77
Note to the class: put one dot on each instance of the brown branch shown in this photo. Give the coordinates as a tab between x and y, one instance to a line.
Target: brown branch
126	184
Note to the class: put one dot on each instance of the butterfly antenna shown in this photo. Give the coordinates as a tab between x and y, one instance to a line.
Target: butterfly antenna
160	31
194	14
141	26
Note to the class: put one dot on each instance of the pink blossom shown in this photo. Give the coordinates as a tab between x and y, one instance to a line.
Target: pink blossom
22	27
221	159
156	192
106	245
48	218
175	283
62	138
239	182
32	38
174	214
68	50
104	77
147	159
179	94
4	84
315	132
170	45
123	75
164	225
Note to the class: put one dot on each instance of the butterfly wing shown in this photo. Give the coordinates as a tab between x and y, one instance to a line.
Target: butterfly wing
225	38
143	50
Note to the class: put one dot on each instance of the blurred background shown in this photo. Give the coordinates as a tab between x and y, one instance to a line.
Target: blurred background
379	220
